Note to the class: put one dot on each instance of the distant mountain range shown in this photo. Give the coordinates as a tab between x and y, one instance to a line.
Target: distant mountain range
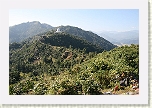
24	31
121	38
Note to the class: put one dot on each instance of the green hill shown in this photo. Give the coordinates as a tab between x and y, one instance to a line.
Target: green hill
27	30
64	39
89	36
37	55
51	54
39	68
100	72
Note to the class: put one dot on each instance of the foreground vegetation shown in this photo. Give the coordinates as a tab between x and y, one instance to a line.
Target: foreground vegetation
40	68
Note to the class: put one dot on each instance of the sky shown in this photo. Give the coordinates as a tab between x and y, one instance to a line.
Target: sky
95	20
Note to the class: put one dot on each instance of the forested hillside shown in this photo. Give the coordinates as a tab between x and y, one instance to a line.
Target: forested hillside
39	58
64	39
40	68
66	60
89	36
52	54
27	30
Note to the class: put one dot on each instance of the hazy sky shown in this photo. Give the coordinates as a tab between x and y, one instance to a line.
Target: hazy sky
88	19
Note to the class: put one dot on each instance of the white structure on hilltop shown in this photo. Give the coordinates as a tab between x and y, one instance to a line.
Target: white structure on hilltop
58	30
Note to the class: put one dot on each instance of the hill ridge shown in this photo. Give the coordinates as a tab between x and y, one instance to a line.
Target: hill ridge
20	33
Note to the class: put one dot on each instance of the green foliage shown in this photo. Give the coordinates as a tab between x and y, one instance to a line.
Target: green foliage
48	66
21	88
14	77
67	40
89	36
15	45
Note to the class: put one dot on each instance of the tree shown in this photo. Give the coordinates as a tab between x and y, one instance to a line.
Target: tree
14	77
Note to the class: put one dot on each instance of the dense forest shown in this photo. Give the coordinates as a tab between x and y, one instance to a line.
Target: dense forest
89	36
64	64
